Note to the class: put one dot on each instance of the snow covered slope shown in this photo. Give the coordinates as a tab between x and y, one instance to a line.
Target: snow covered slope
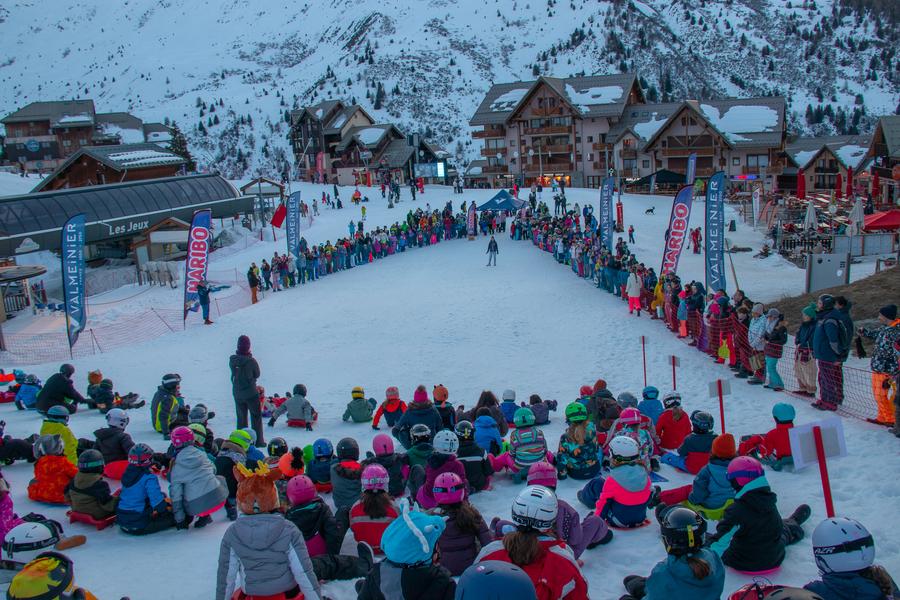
426	65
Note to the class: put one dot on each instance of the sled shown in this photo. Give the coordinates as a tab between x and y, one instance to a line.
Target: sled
762	573
6	397
240	595
100	524
206	513
643	523
115	469
657	478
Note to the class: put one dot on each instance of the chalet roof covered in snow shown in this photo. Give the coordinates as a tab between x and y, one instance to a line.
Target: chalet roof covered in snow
122	126
341	117
323	109
62	111
594	96
887	131
642	120
367	135
850	150
396	154
157	132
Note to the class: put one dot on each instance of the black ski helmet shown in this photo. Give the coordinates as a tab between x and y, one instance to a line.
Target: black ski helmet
682	530
277	447
702	421
91	461
347	449
465	430
420	433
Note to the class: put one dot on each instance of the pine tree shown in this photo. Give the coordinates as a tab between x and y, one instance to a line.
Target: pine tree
179	146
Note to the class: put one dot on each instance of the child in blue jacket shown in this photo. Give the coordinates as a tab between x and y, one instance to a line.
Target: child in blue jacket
487	432
650	406
508	406
143	508
26	397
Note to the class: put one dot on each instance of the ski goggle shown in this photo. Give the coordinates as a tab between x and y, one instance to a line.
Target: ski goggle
845	547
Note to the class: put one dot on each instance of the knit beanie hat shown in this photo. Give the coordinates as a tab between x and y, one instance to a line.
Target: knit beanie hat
392	393
889	312
440	393
810	310
586	391
241	438
723	446
420	395
410	539
243	345
509	395
358	392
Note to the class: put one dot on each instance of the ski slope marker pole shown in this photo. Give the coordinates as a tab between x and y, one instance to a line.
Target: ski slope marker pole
676	362
823	471
644	356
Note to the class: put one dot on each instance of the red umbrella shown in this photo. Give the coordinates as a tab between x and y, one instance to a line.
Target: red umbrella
839	187
884	221
801	185
849	182
875	185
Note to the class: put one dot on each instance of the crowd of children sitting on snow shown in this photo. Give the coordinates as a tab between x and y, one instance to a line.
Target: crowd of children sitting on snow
412	507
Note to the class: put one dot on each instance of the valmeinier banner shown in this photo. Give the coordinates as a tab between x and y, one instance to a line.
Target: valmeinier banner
73	276
606	213
678	229
293	224
715	232
470	220
197	260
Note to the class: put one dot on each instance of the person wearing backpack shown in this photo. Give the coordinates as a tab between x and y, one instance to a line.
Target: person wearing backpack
831	346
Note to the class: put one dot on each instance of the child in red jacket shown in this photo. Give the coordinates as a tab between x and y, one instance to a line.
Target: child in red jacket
392	408
375	510
673	424
773	448
52	471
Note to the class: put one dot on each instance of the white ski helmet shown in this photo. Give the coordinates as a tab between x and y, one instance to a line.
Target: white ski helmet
24	542
535	507
117	418
445	442
623	449
841	545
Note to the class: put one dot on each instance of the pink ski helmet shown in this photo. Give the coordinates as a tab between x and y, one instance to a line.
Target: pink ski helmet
449	488
375	477
542	473
300	490
630	416
383	445
744	469
181	437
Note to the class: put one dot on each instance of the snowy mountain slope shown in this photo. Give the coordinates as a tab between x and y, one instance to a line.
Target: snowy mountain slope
228	70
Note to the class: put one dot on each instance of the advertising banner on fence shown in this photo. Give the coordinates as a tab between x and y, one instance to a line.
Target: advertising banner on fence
293	224
606	213
470	221
678	230
715	232
73	276
197	260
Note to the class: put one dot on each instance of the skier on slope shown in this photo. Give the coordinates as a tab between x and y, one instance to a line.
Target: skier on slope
492	252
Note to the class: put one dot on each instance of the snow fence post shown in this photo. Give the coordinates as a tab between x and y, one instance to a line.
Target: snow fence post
644	356
721	389
676	362
816	442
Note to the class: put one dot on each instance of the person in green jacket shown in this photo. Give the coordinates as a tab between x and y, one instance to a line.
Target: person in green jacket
57	423
359	408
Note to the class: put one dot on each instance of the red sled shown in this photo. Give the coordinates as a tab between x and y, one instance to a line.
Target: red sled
7	397
302	422
762	573
115	469
100	524
323	488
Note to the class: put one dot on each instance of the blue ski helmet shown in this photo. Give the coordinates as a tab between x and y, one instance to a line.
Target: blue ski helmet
322	448
494	580
783	412
650	393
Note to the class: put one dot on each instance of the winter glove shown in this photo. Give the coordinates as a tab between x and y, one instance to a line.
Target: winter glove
309	426
271	423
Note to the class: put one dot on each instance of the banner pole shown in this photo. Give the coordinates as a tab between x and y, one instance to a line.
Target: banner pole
721	404
823	471
674	384
644	356
731	261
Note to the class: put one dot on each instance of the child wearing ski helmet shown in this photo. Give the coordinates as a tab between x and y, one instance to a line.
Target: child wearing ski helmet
711	493
88	493
411	568
143	508
773	448
195	489
673	424
420	449
622	497
375	509
845	555
442	460
200	415
232	453
443	406
487	432
300	412
165	404
263	554
494	580
526	446
533	547
114	443
275	449
690	572
693	454
577	456
26	395
397	465
49	575
52	471
313	517
751	536
359	408
319	468
475	460
391	409
254	454
105	398
56	422
631	424
345	475
508	406
541	409
579	534
650	404
466	532
420	412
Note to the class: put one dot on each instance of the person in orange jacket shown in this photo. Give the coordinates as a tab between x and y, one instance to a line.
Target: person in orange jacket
52	471
391	409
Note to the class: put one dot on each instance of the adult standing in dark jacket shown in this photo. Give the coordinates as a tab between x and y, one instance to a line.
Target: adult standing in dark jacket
828	352
244	373
420	410
492	252
59	391
253	282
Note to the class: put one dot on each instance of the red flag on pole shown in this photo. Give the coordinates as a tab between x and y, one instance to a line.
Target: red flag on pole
279	215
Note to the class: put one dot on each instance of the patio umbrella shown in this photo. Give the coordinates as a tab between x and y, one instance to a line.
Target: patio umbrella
849	182
839	186
801	185
856	217
810	221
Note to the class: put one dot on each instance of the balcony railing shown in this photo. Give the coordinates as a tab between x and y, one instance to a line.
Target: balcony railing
489	133
602	147
493	151
699	151
558	148
548	167
494	169
547	111
547	130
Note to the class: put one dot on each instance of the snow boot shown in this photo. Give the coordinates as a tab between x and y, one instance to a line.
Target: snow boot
231	510
202	522
70	542
366	555
800	515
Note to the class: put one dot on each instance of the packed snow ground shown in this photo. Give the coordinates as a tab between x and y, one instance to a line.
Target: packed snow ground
439	315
